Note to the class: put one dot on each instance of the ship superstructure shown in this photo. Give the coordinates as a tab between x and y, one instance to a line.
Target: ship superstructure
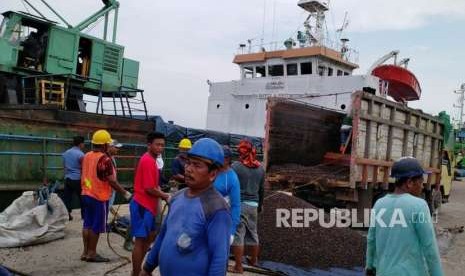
309	67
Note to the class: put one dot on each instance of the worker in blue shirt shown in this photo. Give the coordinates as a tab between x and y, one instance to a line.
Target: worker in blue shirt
227	184
401	239
72	159
194	238
177	166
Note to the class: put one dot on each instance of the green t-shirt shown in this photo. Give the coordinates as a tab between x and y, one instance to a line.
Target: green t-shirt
403	246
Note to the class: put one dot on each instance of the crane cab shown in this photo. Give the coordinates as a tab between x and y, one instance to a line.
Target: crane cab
36	54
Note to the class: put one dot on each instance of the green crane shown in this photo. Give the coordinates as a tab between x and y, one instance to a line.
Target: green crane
43	62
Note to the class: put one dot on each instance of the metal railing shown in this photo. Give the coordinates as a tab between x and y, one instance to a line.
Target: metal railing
130	101
130	154
350	54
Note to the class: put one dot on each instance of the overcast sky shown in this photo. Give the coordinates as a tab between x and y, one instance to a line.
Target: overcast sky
181	44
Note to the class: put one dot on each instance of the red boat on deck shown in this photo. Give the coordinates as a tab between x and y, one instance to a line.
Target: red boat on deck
403	85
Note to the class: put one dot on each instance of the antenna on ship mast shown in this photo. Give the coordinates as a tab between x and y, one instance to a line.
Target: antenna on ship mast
263	26
314	32
344	25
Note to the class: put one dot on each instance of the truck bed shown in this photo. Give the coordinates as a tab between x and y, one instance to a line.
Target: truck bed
294	175
302	146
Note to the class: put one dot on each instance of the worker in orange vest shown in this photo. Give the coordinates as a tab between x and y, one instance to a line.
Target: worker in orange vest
97	180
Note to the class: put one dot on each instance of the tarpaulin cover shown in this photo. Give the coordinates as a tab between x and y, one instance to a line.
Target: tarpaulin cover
26	222
175	133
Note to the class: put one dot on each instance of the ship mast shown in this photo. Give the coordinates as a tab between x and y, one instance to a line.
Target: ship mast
314	24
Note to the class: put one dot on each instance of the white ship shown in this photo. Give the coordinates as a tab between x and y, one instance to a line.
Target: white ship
309	68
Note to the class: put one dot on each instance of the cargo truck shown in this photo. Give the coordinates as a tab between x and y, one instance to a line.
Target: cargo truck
302	141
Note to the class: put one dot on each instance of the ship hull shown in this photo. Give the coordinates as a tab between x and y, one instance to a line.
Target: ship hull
32	140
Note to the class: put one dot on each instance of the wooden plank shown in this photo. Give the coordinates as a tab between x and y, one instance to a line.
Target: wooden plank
434	160
406	135
266	146
399	106
338	184
398	125
386	178
80	120
356	125
373	162
368	133
375	174
392	118
364	176
416	137
423	148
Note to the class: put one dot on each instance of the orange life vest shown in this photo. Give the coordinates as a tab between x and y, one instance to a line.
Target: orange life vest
91	185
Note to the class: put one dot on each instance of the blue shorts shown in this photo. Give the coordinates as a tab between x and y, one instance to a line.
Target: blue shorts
95	213
142	220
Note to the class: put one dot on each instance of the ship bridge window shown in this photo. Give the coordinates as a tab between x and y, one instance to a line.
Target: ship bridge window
291	69
248	72
306	68
330	71
260	71
276	70
339	72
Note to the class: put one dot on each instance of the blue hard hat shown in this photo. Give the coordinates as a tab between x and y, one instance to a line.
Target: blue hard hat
209	149
407	167
227	151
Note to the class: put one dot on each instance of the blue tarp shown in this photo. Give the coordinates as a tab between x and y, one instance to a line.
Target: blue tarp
4	271
295	271
176	132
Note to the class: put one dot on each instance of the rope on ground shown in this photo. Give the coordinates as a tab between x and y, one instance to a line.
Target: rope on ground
126	259
160	223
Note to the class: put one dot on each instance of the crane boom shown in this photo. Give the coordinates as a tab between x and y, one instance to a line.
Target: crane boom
382	60
109	6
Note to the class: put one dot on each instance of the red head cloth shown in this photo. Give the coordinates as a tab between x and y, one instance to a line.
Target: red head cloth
247	154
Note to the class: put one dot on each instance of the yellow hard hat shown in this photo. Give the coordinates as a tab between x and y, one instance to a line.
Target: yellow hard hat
101	137
185	144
